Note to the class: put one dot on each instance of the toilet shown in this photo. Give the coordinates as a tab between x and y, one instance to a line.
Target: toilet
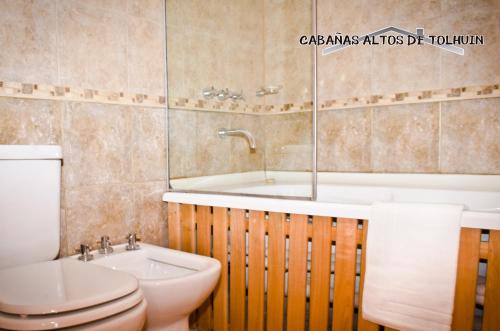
36	291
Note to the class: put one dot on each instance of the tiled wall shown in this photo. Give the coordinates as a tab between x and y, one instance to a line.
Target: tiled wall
114	155
215	43
448	137
195	149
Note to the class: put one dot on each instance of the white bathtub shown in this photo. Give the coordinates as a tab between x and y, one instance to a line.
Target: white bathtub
345	194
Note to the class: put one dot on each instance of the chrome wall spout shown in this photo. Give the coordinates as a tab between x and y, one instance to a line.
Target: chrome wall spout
238	133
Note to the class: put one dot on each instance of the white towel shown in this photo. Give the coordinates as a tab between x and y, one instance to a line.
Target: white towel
411	265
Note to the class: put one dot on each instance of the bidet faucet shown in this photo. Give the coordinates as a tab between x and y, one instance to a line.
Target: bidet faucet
222	132
105	245
85	253
132	242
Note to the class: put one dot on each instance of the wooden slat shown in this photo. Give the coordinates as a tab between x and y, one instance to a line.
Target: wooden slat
465	290
256	251
491	318
188	243
297	272
220	224
345	274
320	273
364	325
174	225
203	246
275	271
237	281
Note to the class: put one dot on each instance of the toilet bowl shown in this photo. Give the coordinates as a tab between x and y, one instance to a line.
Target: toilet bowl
174	283
36	291
71	295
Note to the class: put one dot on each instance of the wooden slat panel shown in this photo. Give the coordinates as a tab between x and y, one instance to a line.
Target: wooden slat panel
364	325
237	282
465	290
256	251
275	271
297	273
203	245
188	233
220	224
345	274
491	318
320	273
174	225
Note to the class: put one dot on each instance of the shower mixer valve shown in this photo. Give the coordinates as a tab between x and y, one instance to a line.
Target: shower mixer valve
221	94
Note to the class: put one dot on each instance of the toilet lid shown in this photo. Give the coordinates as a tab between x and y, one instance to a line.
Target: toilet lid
60	286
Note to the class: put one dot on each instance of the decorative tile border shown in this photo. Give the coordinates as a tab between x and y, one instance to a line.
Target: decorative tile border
451	94
64	93
52	92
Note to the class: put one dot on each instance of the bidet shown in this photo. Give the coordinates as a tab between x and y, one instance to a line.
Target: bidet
174	283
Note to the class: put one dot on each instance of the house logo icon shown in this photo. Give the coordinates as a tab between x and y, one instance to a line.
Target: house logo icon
436	41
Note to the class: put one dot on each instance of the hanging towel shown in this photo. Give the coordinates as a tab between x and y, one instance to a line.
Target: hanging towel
411	265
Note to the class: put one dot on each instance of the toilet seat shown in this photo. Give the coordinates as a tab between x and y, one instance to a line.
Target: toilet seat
63	293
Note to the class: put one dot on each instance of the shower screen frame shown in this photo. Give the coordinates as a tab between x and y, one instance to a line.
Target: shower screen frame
314	133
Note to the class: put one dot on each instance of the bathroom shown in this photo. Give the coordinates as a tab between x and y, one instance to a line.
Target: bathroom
210	127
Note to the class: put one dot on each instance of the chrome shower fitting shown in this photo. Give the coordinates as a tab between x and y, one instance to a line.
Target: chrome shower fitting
222	133
268	90
221	94
209	92
235	96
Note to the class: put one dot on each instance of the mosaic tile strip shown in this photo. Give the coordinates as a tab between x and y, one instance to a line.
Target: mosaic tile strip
52	92
461	93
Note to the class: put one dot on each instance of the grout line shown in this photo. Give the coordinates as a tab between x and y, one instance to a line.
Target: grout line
58	56
440	135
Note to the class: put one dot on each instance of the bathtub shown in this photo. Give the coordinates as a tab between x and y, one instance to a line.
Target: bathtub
281	247
346	195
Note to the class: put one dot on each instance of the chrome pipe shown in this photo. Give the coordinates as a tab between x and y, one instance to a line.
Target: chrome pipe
222	133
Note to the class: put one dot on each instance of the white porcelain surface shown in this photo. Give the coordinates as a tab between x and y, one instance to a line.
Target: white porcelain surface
348	195
30	152
127	314
174	283
60	286
29	204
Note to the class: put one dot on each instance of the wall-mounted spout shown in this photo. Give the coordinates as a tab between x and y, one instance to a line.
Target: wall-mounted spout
238	133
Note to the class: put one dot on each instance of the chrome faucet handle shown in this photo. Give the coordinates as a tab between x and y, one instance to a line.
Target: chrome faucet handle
132	242
84	253
105	245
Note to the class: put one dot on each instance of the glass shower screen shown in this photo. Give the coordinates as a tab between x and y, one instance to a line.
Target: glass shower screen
240	97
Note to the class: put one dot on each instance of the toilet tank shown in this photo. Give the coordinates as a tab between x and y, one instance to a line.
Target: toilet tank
30	178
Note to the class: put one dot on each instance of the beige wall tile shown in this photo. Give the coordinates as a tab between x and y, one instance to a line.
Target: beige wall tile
288	142
148	153
344	140
150	9
405	138
99	210
24	121
28	42
92	47
470	136
213	154
97	144
150	212
480	63
145	56
241	158
182	143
